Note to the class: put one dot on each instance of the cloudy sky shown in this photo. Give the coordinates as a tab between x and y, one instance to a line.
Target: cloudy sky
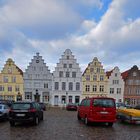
107	29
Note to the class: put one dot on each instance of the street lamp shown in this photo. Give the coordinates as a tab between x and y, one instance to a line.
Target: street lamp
66	97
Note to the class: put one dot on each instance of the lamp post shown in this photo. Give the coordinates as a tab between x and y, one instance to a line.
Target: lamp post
66	97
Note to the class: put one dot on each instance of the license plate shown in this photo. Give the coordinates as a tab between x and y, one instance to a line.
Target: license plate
20	115
103	112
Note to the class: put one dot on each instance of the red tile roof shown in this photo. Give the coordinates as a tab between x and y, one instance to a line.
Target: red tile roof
108	73
125	74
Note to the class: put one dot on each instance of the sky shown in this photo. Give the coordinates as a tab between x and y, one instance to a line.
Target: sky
106	29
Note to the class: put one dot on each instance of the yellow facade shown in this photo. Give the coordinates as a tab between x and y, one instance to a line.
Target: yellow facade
11	81
94	80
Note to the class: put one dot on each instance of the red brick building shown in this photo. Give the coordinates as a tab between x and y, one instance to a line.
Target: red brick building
132	86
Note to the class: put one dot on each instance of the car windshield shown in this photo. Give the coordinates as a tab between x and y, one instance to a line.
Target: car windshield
103	103
21	106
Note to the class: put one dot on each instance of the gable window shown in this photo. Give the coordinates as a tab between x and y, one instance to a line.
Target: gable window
134	74
67	74
14	79
37	61
70	65
65	65
5	79
101	78
115	74
94	77
88	77
74	74
60	73
68	57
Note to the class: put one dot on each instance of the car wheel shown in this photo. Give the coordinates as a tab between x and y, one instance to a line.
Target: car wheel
78	117
12	123
42	118
36	121
86	121
110	124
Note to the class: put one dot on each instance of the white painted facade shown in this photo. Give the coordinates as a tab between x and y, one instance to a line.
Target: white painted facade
116	85
37	80
66	84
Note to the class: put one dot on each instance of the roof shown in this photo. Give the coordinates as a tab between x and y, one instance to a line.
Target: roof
125	74
108	73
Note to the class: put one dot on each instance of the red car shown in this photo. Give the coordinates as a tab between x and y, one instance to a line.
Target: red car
71	106
97	109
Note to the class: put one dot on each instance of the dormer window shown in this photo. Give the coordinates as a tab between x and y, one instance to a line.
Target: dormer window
37	61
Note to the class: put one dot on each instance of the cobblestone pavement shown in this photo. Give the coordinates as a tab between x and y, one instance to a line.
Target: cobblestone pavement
60	124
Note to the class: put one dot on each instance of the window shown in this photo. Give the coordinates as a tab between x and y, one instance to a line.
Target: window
88	77
101	88
103	103
74	74
37	61
9	70
115	82
101	78
37	84
1	88
111	90
17	88
94	77
70	86
87	88
56	85
94	88
98	70
37	75
115	74
118	90
91	69
67	74
77	99
65	65
77	86
13	79
45	85
134	74
68	57
63	85
5	79
70	65
60	73
9	88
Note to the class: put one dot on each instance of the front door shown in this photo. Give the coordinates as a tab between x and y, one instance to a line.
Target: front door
56	100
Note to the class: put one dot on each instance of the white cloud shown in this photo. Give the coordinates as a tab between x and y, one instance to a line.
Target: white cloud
114	39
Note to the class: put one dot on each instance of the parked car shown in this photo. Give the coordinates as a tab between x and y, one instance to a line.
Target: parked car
128	115
97	109
120	105
4	111
71	106
137	107
25	112
7	102
43	106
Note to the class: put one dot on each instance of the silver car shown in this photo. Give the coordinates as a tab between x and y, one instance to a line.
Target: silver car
4	111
